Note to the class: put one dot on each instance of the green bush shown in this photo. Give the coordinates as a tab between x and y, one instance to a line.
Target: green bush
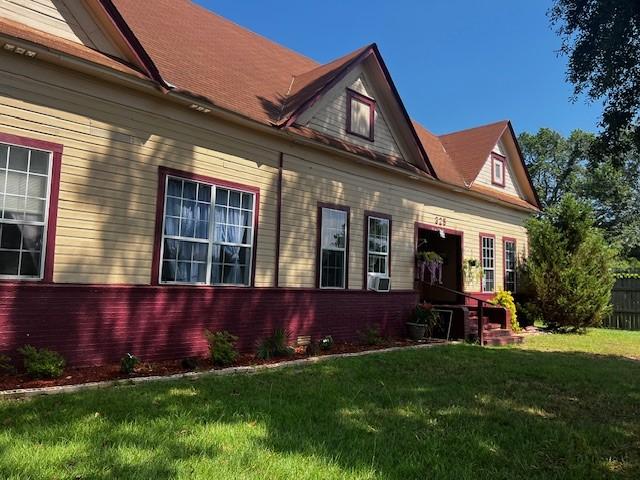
5	364
42	363
128	363
371	335
569	266
504	299
275	346
189	363
222	347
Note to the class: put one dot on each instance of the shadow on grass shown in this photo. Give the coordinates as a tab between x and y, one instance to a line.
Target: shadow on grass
451	412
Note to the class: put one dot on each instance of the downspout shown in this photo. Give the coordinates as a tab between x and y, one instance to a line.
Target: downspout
276	274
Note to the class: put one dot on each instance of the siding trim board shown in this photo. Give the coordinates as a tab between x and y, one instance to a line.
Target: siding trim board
163	173
54	196
365	243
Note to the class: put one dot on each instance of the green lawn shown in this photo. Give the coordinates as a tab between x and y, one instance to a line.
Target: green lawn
455	412
598	341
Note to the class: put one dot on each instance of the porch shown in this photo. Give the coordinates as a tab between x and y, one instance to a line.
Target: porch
472	316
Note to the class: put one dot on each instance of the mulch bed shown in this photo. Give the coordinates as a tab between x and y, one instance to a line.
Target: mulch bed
77	375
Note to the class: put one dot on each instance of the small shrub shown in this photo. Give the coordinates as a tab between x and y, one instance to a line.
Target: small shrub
189	363
424	314
326	343
128	363
504	299
313	349
5	364
42	363
222	347
528	314
275	346
371	336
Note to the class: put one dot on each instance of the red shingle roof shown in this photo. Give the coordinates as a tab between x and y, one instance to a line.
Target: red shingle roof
205	55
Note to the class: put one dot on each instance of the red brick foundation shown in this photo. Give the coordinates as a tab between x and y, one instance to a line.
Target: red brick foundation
97	324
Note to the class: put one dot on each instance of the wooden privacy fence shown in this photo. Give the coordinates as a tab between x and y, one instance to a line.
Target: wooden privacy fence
626	305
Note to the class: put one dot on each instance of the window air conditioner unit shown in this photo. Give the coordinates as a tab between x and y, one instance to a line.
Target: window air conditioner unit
379	284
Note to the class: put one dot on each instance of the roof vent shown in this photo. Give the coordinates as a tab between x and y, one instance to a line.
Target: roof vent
19	50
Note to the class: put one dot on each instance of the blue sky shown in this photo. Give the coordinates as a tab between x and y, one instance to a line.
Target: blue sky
456	63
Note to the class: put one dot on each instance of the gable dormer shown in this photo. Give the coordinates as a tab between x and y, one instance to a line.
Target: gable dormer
353	113
360	106
498	171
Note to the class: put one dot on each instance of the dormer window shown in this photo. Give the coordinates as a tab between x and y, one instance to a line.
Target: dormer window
497	170
361	112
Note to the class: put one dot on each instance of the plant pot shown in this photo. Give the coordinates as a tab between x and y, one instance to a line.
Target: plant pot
416	331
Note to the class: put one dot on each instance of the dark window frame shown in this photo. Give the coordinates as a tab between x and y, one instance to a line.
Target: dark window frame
371	103
347	210
496	157
365	257
51	215
163	174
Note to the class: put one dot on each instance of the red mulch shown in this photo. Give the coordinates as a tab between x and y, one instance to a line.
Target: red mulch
76	375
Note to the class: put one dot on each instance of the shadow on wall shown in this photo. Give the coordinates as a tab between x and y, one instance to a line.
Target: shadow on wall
106	227
452	412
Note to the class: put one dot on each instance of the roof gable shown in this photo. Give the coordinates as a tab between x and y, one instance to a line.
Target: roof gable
83	23
470	148
330	116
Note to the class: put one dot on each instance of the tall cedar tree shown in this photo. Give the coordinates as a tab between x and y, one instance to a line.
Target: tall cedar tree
569	266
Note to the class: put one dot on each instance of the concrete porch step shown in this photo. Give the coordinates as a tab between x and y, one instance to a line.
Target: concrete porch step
504	340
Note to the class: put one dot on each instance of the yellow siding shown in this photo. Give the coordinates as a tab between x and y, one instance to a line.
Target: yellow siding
115	139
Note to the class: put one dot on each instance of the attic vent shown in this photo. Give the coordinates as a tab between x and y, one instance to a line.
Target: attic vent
19	50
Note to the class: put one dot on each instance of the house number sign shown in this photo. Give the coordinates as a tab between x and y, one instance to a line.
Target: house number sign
441	221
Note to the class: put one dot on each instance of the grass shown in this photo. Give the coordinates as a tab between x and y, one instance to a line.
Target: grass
597	341
454	412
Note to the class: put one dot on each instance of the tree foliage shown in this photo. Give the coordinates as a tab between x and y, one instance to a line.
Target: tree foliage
610	184
569	266
601	39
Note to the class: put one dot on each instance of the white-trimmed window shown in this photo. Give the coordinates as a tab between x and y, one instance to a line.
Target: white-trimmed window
510	265
488	264
207	234
333	248
497	170
378	246
25	177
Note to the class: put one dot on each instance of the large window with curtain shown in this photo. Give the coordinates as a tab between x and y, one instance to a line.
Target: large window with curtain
25	177
333	248
207	234
488	263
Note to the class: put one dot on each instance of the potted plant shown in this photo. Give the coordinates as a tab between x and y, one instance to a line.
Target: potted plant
429	263
424	319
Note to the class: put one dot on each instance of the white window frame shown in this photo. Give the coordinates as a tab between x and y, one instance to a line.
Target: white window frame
488	262
210	241
508	270
380	254
334	249
44	223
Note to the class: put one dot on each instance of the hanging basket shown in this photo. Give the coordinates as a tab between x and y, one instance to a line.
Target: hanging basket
430	268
